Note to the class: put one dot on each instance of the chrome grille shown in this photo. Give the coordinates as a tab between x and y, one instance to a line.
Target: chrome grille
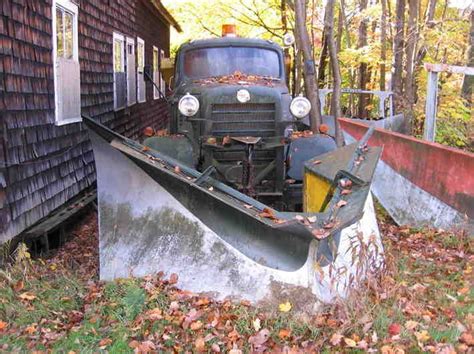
247	119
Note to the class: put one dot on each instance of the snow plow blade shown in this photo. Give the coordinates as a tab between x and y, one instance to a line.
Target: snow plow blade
157	214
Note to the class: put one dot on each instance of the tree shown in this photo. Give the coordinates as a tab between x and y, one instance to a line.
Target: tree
311	86
412	39
363	68
398	44
383	44
336	72
468	82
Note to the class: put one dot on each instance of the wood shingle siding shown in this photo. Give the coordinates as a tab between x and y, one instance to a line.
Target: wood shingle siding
43	165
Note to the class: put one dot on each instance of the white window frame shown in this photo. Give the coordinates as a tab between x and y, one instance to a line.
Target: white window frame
142	72
162	79
69	6
131	41
156	92
121	38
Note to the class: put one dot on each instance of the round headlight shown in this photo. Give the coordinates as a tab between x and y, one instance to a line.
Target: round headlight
188	105
243	96
300	107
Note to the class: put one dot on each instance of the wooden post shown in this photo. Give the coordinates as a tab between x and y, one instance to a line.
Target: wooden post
429	132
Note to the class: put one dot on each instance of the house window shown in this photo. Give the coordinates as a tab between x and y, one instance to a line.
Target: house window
162	80
156	73
120	76
67	76
131	72
141	87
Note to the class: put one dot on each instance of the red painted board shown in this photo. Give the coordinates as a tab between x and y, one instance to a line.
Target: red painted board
444	172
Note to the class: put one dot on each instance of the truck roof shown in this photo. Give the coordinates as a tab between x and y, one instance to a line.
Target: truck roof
230	41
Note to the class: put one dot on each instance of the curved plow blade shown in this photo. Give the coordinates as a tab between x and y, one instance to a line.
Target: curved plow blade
158	214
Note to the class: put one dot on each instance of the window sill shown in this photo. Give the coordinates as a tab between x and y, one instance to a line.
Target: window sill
68	121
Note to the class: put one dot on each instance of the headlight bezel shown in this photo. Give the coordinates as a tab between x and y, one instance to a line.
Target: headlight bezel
300	100
186	111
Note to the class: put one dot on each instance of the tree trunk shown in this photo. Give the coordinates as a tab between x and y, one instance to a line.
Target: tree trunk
398	44
363	77
468	83
412	39
383	44
336	94
323	59
311	86
430	13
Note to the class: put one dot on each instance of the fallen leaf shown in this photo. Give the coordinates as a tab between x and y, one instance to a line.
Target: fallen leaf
299	217
196	325
422	336
341	203
346	192
285	307
312	219
27	296
154	314
256	324
3	325
134	344
317	162
145	149
394	329
215	348
248	206
467	338
363	344
19	285
329	225
105	342
284	334
177	169
350	342
30	329
235	350
336	339
260	338
345	183
233	336
200	344
410	325
267	213
320	233
173	278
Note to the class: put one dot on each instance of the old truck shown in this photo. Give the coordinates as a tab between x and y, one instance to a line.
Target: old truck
238	200
232	104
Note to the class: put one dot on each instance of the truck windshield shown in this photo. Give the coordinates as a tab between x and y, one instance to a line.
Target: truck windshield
222	61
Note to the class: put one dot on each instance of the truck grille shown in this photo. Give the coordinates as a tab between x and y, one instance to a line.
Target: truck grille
247	119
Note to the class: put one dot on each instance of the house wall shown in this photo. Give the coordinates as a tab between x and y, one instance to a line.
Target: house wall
47	165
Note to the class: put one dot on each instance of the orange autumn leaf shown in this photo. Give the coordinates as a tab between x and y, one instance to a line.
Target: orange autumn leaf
3	325
284	333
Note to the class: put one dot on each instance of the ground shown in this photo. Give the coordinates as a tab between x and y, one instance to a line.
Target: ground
422	302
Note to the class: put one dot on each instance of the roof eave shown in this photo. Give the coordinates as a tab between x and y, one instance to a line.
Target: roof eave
166	15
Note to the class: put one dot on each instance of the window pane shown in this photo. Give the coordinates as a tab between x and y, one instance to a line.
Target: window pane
118	53
141	56
155	60
59	33
68	31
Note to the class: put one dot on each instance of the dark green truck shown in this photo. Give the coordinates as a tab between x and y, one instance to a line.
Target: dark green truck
232	106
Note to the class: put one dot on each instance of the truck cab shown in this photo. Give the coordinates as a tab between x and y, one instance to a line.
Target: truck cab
232	104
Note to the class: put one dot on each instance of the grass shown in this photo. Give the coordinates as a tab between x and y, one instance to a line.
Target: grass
425	290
